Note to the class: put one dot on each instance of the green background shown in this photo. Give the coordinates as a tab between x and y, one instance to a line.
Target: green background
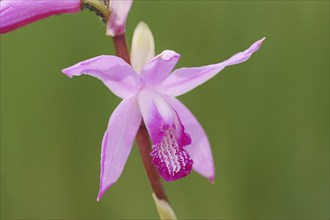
267	119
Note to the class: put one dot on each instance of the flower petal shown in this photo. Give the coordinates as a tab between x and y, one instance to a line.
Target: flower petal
167	134
159	67
118	141
113	71
155	112
17	13
185	79
199	149
143	46
118	14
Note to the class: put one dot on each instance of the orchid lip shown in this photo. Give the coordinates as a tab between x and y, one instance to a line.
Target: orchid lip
171	159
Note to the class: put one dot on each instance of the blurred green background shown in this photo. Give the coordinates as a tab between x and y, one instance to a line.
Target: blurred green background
267	119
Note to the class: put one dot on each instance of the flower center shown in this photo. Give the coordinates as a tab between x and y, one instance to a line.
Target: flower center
171	159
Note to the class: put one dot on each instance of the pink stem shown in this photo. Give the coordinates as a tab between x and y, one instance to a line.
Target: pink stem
142	136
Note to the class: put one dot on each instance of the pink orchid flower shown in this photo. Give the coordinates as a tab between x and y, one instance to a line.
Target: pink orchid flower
17	13
148	92
118	14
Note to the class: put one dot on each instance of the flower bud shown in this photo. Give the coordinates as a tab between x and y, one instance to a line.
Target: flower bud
164	209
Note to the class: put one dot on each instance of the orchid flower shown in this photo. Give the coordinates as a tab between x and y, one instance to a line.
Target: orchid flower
118	14
148	92
17	13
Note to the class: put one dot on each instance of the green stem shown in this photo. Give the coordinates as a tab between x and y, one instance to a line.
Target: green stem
98	6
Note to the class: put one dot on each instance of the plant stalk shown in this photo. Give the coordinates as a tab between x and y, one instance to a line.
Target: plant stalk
142	136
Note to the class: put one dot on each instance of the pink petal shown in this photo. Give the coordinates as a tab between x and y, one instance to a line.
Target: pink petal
118	14
17	13
157	69
199	149
185	79
167	134
118	141
113	71
155	112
